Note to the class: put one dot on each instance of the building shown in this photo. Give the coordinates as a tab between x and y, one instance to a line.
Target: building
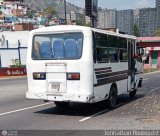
72	17
76	18
14	8
136	17
107	19
152	51
147	21
2	8
13	13
125	21
158	13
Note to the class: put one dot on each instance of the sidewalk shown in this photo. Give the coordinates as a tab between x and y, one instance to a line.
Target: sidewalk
12	77
158	71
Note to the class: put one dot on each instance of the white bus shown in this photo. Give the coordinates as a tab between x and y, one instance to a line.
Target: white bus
81	64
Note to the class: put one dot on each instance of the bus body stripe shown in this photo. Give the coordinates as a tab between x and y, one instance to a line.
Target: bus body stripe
102	69
111	74
106	76
139	72
102	72
111	79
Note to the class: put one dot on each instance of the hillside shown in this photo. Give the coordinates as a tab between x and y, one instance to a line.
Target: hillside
57	4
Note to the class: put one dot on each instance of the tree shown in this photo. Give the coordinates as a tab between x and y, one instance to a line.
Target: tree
31	13
157	32
48	13
88	24
136	30
80	22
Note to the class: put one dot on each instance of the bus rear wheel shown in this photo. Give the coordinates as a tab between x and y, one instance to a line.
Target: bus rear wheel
61	104
112	99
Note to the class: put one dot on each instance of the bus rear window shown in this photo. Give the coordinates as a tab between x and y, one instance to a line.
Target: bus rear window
57	46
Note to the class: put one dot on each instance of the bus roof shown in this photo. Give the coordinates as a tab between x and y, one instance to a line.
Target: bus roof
76	27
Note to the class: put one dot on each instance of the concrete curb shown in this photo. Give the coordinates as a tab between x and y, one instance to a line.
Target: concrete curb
12	77
152	72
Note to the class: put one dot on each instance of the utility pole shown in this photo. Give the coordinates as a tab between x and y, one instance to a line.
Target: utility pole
91	7
65	12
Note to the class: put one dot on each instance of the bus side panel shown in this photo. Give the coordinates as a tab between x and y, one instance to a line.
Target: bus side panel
117	73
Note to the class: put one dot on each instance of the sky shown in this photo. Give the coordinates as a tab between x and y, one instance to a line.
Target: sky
118	4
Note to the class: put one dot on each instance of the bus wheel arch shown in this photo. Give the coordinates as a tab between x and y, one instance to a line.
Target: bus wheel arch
113	94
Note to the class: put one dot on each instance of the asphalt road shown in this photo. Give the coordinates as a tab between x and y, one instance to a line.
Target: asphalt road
19	113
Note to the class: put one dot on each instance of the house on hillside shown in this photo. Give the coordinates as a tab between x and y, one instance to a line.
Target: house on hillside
13	13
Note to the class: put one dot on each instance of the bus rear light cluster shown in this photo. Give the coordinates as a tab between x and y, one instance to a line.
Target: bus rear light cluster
39	76
73	76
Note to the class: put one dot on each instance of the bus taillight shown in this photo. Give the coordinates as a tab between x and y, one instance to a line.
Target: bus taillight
39	76
73	76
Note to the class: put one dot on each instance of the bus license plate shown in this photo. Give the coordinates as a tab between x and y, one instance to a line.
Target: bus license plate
55	85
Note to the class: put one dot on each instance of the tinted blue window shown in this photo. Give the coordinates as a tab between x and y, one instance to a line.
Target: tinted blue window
58	49
58	46
45	50
71	48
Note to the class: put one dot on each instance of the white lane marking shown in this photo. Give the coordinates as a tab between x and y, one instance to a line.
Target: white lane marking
155	89
5	113
87	118
146	79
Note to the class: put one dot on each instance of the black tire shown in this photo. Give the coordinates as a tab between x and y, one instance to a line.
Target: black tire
61	104
140	83
133	94
112	99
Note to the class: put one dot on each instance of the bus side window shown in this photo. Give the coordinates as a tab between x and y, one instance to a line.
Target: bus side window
113	55
102	55
99	55
71	48
45	50
58	49
123	55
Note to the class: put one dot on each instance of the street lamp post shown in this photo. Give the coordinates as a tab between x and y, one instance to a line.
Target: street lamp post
65	12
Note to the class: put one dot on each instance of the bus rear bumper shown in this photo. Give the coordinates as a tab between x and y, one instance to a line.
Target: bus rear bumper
61	97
